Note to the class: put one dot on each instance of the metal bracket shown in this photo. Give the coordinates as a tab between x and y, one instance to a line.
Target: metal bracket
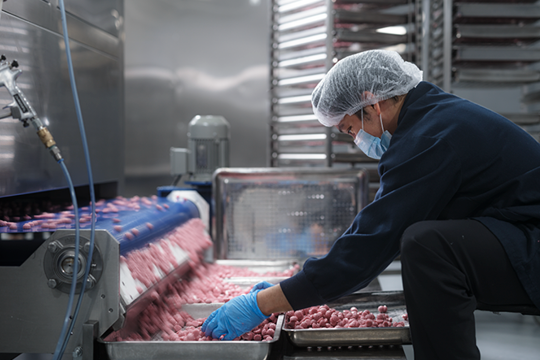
89	334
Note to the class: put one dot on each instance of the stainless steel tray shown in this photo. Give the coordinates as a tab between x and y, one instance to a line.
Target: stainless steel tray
193	350
260	266
358	336
245	282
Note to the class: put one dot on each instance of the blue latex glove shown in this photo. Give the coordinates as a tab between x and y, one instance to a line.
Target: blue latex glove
261	286
234	318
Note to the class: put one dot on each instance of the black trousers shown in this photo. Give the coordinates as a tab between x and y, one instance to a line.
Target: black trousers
449	267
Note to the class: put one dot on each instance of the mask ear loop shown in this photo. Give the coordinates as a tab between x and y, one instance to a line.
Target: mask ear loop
382	127
362	116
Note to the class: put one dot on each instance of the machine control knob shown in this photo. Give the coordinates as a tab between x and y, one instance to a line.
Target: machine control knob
14	64
2	57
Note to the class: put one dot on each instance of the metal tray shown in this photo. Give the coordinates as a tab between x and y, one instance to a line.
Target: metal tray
358	336
193	350
260	266
246	282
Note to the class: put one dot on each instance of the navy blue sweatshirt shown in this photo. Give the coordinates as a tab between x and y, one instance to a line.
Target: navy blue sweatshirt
448	159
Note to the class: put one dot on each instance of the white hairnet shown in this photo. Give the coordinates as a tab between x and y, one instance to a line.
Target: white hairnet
383	73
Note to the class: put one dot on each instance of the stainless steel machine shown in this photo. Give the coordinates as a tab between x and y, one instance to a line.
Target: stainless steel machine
36	290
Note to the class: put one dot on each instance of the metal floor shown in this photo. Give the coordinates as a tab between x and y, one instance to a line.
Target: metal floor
507	336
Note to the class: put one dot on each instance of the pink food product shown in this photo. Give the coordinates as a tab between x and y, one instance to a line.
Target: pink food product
325	317
190	237
164	318
162	321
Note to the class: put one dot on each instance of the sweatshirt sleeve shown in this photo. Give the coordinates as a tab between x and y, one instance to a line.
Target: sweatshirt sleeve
418	179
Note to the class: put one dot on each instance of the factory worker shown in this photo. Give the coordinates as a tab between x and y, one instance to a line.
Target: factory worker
459	199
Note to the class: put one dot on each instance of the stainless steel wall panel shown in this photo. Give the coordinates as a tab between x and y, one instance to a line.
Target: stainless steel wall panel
187	58
104	14
93	37
40	13
48	16
28	33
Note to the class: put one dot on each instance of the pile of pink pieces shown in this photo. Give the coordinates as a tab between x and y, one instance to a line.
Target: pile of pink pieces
192	331
208	283
325	317
191	237
164	318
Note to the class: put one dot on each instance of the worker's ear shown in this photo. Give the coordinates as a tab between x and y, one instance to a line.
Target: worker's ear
373	109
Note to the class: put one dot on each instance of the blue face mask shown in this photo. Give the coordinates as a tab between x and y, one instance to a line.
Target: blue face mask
372	146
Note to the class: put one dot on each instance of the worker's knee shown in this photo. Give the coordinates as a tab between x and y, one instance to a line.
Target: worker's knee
417	240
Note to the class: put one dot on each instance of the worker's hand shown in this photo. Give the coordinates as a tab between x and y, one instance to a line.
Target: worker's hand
261	286
234	318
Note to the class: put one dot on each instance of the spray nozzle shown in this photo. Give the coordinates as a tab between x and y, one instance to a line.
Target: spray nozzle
21	108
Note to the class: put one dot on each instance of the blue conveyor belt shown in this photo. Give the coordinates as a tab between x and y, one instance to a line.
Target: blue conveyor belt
151	219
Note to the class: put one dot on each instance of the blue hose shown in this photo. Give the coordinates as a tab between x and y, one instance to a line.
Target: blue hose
64	338
75	263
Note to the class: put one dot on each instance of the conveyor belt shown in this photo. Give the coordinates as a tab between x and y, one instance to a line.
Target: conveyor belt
118	216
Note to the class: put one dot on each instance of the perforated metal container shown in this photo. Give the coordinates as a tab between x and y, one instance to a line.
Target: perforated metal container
283	213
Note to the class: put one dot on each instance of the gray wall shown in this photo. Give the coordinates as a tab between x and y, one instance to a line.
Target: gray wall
187	58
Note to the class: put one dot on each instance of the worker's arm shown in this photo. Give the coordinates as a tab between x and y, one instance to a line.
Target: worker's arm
272	300
418	180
